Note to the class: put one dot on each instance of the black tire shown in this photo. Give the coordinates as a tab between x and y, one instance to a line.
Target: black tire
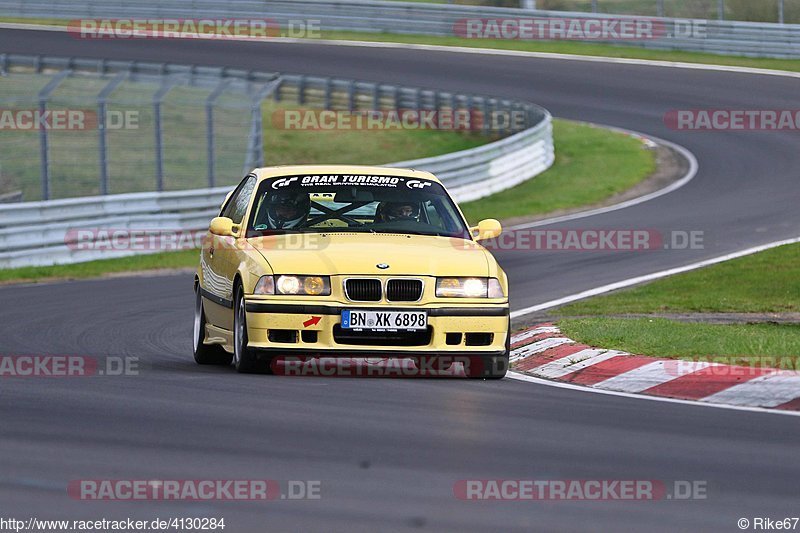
245	359
206	354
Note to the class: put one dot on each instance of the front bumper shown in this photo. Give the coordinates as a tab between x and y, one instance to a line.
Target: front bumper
488	325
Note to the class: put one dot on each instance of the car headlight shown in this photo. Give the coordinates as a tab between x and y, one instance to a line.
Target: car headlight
468	288
303	285
265	285
495	289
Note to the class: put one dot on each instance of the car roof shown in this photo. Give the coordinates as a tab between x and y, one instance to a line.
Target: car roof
299	170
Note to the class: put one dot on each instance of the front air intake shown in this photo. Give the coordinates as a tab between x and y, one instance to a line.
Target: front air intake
403	290
363	290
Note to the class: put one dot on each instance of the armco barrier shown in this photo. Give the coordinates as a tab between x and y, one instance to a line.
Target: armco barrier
39	233
714	36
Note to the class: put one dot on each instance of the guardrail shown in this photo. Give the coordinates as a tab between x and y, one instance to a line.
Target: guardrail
46	232
714	36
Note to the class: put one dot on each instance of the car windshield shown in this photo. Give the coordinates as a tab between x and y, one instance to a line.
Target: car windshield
354	203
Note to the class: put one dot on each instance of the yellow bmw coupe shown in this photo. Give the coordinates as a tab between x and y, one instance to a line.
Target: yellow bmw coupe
334	261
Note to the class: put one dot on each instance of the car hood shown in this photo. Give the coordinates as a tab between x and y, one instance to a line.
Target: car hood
360	253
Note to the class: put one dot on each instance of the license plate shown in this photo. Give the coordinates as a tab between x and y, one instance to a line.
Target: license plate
384	320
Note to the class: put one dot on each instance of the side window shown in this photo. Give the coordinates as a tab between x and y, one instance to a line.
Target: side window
239	200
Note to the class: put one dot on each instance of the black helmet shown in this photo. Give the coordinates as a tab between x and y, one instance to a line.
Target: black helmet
397	211
286	209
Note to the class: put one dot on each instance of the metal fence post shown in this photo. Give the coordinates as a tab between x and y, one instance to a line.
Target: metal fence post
351	96
158	99
256	135
44	147
159	146
376	97
721	9
301	90
210	145
660	8
503	110
102	122
486	112
328	93
255	153
781	11
469	104
594	6
437	108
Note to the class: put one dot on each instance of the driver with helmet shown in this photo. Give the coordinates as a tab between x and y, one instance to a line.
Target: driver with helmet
287	209
397	212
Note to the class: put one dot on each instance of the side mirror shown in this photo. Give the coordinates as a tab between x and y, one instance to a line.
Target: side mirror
224	227
486	229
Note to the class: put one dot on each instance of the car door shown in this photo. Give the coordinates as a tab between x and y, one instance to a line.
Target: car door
220	259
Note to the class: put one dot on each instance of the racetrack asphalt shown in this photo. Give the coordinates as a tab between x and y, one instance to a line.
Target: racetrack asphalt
389	451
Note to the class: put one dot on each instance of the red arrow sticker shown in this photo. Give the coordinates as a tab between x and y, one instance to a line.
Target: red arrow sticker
313	321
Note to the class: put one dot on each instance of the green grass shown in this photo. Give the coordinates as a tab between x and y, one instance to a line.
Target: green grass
359	147
734	344
767	282
591	164
561	47
93	269
580	163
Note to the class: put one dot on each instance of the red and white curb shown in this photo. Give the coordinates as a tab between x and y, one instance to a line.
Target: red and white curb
544	352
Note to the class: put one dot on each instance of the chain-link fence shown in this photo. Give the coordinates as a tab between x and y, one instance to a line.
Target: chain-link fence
70	133
79	127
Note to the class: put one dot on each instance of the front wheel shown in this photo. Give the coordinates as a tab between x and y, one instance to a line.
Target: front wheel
245	359
205	354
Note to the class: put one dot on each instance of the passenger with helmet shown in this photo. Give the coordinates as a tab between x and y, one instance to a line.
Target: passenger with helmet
287	209
397	212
